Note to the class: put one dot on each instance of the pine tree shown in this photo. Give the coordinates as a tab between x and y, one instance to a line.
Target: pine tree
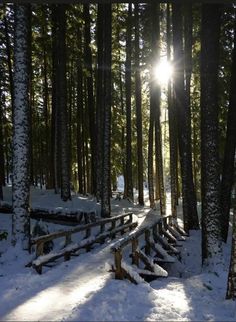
90	96
172	128
21	184
210	171
128	175
184	125
231	284
229	153
138	103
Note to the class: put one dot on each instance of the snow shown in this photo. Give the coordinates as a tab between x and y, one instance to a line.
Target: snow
84	288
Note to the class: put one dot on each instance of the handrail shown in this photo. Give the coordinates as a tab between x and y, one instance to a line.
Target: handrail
152	233
133	235
40	241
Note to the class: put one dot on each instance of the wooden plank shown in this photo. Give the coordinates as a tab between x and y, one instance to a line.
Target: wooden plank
175	233
158	238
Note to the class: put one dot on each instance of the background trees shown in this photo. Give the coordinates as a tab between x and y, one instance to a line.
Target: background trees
96	110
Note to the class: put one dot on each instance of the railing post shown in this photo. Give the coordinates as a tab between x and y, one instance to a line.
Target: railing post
122	222
147	242
135	258
87	235
67	239
119	271
39	248
130	220
154	233
113	226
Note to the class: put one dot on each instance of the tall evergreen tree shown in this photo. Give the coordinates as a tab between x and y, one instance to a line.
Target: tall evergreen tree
59	104
64	139
89	83
184	125
138	103
128	170
157	109
229	153
210	171
172	127
21	184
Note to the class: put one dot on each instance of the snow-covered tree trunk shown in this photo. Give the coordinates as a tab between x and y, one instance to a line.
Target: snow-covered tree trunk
99	97
21	111
210	171
106	163
231	286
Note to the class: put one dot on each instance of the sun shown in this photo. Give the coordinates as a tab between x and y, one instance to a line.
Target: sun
163	71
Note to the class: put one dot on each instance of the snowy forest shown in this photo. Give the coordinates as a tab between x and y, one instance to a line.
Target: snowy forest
117	161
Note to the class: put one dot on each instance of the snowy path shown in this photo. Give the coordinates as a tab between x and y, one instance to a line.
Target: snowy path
83	289
54	295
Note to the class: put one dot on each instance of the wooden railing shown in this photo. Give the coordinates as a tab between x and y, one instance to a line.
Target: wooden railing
159	237
118	224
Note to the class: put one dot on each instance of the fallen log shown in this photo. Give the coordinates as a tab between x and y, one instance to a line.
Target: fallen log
59	215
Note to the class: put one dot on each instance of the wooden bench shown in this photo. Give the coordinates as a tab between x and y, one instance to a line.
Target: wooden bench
158	239
118	224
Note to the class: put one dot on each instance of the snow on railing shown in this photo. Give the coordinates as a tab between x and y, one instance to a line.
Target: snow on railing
155	237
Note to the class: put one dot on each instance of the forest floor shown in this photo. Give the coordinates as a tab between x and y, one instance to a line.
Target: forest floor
84	289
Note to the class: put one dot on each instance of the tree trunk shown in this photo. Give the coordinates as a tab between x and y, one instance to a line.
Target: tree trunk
106	144
55	139
9	64
128	171
231	284
79	140
99	96
21	184
172	129
210	172
153	103
2	159
184	126
157	105
229	153
138	103
91	106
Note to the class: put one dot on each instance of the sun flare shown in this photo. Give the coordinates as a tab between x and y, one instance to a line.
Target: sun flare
163	72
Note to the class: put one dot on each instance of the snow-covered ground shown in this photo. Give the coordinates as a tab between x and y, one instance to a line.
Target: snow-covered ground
84	288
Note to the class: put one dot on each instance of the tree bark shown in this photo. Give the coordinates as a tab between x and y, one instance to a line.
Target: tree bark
128	175
172	129
99	97
229	153
106	144
231	284
21	184
138	103
64	151
184	126
91	105
210	172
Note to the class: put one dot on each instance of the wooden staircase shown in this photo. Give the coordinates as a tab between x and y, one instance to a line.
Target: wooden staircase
149	247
